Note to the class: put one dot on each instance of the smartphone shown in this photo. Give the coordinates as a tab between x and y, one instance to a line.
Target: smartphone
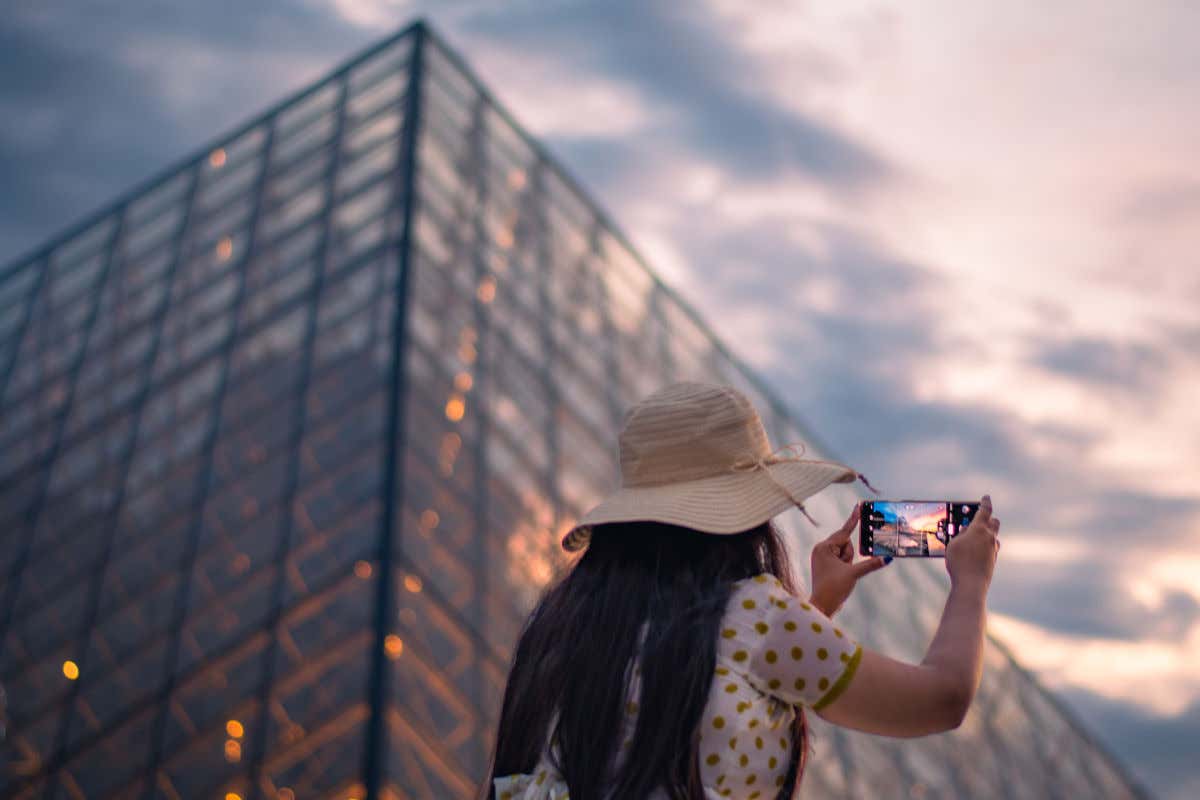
911	528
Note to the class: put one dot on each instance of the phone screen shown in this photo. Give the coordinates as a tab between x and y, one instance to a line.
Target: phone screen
912	528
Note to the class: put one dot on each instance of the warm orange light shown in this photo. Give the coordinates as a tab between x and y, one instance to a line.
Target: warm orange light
504	238
225	248
463	382
233	751
412	583
285	794
217	157
516	178
232	796
430	518
234	728
71	670
362	569
486	291
456	407
466	353
393	645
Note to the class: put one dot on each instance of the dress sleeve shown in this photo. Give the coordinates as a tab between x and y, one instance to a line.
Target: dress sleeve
784	647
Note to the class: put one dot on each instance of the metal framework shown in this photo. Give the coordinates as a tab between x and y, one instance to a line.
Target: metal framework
288	436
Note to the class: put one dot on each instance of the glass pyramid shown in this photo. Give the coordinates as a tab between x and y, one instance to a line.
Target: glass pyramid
288	437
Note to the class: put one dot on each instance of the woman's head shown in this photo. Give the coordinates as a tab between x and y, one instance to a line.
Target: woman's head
697	455
575	654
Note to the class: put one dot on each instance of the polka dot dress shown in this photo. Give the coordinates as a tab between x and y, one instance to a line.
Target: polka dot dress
775	652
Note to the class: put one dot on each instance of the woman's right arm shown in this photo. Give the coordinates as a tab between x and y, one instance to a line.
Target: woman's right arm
892	698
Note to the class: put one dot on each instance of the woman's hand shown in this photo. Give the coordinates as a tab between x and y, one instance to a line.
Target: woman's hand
971	555
834	570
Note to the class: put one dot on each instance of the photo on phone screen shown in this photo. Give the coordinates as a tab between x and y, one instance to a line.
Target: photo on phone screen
912	528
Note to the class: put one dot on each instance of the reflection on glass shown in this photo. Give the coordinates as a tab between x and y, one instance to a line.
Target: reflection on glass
456	407
393	645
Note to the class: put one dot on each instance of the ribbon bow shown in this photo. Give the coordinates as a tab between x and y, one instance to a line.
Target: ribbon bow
787	453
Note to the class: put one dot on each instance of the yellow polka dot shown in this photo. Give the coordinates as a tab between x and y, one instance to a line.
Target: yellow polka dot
742	706
760	578
773	683
726	792
816	626
722	671
799	684
713	759
781	603
506	796
761	627
732	742
631	707
782	743
797	653
729	633
845	657
744	760
718	722
823	684
754	796
751	779
779	781
541	778
822	653
770	656
772	762
837	632
720	779
753	723
806	606
731	688
740	655
758	742
789	625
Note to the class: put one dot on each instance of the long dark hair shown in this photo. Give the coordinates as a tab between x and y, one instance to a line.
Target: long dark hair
577	648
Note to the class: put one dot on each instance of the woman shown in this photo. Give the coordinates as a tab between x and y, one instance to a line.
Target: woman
675	659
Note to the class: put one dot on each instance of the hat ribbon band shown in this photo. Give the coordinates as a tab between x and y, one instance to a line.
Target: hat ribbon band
788	453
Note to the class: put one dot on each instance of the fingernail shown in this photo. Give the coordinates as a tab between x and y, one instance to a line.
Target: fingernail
887	560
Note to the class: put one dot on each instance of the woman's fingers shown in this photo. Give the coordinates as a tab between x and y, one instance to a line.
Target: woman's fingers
842	534
867	566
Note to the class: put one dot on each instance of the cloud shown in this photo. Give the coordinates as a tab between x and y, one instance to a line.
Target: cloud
679	59
1164	201
1061	597
1131	366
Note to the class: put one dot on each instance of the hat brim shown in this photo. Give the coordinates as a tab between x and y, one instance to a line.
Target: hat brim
722	504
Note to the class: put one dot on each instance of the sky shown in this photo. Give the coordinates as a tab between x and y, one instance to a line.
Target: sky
959	237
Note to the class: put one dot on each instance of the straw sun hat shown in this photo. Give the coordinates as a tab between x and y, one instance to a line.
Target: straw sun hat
696	455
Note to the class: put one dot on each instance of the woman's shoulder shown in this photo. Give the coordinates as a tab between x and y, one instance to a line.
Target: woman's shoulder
764	588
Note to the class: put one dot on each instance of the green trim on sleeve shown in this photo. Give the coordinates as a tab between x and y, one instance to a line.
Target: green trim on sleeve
836	690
